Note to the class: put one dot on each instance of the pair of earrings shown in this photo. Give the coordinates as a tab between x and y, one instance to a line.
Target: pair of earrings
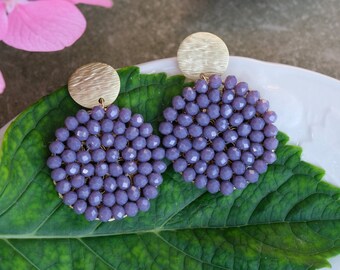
107	163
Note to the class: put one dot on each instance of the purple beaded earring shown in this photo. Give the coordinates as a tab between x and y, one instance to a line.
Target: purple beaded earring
219	135
106	163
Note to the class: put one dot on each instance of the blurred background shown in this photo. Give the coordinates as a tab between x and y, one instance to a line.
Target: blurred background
299	33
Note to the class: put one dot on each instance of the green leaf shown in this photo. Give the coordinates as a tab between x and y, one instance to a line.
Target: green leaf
290	219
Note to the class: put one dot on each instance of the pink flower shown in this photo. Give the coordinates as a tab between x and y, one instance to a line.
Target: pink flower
2	83
42	25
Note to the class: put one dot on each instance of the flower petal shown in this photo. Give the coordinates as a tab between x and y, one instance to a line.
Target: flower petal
102	3
3	21
2	83
44	26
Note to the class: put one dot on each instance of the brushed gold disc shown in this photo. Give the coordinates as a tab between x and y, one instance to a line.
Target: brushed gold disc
92	82
202	53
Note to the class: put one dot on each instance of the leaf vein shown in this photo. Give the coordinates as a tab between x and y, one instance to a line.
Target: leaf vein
95	253
21	254
189	255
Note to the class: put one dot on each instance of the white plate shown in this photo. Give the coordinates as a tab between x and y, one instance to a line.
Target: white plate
307	104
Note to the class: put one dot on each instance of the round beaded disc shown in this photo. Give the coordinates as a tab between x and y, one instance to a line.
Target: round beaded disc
93	81
106	164
202	53
219	136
